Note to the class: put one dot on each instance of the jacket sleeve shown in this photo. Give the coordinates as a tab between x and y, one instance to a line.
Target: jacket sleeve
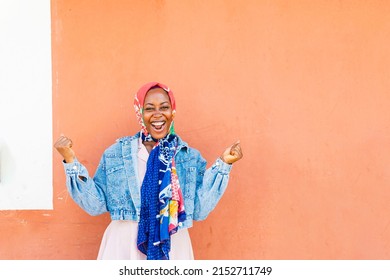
87	192
210	186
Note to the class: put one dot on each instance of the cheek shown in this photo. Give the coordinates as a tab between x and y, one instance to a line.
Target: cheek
169	116
146	118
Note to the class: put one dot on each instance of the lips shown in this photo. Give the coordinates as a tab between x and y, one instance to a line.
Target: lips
158	125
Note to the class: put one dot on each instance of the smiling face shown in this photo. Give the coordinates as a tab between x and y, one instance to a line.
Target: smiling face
157	113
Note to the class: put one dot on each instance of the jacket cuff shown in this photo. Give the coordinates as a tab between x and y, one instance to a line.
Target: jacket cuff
222	167
73	167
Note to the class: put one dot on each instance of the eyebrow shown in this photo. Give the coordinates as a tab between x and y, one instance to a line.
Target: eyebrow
160	103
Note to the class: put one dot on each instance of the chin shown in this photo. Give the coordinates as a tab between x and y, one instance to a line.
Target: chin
159	135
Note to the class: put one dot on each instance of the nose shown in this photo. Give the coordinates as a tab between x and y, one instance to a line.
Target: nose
157	113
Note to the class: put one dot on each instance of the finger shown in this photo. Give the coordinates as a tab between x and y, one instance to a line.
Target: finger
237	143
61	139
236	148
236	153
58	143
64	142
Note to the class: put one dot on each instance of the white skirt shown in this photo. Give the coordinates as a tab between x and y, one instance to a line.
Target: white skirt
119	242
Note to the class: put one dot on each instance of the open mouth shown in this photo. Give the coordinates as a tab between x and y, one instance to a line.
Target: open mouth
158	126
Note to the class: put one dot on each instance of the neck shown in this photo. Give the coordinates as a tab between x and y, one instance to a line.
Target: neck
149	145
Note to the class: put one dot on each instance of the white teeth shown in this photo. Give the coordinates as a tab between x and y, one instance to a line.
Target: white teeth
157	123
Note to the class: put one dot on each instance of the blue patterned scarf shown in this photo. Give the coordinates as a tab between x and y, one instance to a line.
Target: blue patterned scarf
161	208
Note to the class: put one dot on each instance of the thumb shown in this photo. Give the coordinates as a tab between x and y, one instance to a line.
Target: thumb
237	143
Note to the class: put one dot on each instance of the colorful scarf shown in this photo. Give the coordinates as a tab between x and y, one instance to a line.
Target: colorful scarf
162	204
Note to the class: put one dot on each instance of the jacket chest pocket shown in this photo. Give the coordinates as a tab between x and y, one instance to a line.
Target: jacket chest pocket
190	184
117	187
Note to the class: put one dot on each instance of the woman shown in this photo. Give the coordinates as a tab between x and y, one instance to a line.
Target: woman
153	184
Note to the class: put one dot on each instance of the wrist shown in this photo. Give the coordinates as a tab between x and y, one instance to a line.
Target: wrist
222	159
69	159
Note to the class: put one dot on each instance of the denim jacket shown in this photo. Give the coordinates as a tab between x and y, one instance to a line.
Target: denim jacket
115	187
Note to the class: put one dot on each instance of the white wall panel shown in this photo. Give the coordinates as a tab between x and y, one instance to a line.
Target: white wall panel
25	105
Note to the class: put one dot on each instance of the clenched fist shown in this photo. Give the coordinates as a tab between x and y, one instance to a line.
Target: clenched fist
232	153
64	146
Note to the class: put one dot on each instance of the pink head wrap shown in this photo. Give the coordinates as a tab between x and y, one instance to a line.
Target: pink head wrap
140	98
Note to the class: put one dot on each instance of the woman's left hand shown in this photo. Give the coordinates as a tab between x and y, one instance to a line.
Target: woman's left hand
232	153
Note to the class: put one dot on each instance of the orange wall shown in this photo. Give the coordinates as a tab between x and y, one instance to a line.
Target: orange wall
303	84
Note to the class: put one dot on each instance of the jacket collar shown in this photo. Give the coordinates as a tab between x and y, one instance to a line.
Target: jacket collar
126	140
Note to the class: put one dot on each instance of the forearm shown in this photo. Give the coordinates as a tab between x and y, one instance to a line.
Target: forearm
213	186
84	190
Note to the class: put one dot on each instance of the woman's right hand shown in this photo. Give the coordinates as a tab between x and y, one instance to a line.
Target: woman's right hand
64	146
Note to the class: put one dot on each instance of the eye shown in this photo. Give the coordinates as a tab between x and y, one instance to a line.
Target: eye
149	109
165	108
